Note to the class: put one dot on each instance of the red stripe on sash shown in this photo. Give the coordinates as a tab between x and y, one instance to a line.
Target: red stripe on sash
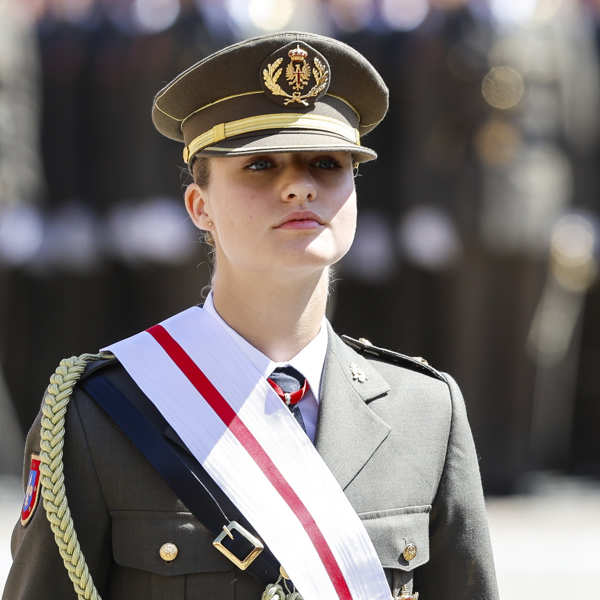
230	418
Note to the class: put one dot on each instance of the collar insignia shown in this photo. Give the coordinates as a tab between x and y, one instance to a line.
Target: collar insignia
357	373
296	74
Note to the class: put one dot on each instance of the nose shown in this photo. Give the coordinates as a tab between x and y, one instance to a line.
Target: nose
299	186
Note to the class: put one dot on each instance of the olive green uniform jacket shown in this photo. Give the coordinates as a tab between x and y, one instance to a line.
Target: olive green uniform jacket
398	443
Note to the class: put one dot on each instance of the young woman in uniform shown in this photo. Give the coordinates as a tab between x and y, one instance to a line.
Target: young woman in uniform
341	470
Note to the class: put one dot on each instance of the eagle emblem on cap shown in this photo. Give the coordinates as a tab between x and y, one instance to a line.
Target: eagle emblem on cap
299	74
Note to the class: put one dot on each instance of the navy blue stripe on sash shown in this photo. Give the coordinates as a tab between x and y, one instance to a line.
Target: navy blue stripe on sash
180	470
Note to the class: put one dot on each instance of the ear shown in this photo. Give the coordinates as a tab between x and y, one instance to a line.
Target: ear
195	204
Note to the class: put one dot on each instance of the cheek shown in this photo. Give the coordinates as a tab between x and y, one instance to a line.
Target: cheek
236	218
347	220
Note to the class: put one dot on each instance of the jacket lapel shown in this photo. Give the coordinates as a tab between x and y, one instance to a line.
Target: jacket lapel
348	431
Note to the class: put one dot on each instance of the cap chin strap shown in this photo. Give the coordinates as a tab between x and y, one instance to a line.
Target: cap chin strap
223	131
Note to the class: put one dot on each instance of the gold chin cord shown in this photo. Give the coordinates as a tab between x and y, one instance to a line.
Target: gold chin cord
54	409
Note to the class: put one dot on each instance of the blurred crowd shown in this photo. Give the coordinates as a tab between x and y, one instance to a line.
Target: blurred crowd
477	244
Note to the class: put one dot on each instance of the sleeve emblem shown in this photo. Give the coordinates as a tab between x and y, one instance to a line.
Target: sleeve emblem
32	492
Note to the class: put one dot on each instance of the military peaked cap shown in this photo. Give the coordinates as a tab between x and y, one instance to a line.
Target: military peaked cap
288	91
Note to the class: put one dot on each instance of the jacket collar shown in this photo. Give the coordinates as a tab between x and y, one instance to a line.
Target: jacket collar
348	431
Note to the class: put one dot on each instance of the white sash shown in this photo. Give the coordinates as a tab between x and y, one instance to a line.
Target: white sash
254	449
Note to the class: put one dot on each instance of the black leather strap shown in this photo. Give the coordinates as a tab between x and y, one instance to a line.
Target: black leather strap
144	426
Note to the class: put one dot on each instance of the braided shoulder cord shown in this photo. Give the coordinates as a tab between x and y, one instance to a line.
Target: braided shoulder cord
54	409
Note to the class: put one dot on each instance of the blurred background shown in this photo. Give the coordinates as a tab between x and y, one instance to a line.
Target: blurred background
477	245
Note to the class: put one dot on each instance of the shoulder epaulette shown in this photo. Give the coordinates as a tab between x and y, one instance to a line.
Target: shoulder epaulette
104	360
415	363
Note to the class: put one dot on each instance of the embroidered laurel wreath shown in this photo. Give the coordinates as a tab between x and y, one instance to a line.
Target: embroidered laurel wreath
273	71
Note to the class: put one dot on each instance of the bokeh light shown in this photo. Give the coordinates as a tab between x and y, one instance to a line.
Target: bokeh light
131	232
351	15
428	238
502	87
155	15
21	233
270	15
404	14
572	250
509	11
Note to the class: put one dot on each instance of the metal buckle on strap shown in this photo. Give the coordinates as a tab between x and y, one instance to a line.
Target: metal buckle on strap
242	564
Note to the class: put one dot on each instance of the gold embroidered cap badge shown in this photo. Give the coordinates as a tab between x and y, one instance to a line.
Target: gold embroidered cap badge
306	78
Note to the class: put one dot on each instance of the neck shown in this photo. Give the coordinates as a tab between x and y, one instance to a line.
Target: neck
278	317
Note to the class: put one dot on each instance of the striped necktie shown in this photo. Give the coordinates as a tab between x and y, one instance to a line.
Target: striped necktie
290	386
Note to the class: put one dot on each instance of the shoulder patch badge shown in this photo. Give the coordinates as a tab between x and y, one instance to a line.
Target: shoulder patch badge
32	492
306	75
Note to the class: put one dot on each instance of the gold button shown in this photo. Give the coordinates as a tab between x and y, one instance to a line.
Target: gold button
168	552
410	551
365	341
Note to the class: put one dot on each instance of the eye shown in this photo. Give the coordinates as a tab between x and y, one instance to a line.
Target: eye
260	164
326	162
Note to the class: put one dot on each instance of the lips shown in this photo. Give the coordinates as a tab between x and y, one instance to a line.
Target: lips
301	220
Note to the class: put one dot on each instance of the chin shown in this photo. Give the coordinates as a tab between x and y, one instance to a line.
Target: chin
313	259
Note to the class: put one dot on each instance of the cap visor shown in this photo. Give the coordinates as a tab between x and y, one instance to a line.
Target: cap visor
288	141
